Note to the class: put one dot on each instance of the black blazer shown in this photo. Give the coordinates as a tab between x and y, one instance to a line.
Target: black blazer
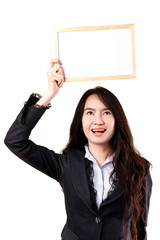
69	170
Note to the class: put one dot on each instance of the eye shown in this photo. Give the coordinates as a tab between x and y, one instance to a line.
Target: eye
89	113
107	112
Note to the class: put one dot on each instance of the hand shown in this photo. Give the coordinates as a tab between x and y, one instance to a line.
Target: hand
55	77
55	82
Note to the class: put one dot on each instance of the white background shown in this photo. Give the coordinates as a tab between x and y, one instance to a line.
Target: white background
81	48
32	204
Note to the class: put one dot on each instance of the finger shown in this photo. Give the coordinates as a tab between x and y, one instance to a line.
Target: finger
60	83
56	68
58	78
55	61
58	75
55	71
59	69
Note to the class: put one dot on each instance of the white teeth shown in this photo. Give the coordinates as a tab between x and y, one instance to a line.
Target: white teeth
98	130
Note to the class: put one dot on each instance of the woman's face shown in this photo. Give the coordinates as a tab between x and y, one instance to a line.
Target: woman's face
98	122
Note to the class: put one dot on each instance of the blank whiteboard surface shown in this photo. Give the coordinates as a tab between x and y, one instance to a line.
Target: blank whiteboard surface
96	53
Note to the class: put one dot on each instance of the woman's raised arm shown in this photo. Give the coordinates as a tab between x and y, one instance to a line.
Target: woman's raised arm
17	138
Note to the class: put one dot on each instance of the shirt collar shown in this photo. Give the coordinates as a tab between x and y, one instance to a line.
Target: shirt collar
89	156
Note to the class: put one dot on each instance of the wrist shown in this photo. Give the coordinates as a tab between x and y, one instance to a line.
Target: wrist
50	94
37	100
44	101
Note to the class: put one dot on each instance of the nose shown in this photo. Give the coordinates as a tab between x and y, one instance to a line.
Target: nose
98	120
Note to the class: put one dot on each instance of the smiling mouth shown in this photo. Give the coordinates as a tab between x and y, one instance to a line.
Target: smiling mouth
98	130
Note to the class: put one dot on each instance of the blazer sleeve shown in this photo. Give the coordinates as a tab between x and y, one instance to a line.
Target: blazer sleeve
39	157
142	233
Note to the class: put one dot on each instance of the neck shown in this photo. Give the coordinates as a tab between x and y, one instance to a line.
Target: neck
100	152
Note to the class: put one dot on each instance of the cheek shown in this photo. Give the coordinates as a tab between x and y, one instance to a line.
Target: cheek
85	123
112	125
84	127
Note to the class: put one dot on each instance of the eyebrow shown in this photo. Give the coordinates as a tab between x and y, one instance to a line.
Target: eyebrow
93	109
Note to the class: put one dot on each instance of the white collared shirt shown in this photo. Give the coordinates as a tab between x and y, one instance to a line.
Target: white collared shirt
101	181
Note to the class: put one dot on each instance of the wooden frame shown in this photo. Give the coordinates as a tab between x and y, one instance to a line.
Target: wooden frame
113	46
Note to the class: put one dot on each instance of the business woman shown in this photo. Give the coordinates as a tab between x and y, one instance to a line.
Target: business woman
106	182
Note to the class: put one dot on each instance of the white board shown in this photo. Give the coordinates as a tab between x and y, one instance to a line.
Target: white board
96	53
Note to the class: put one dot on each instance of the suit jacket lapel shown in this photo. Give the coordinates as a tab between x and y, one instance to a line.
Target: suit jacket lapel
79	179
114	194
79	176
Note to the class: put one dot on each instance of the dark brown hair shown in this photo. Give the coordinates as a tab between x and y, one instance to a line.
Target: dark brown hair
129	166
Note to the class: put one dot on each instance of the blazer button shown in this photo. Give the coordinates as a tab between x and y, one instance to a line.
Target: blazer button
97	220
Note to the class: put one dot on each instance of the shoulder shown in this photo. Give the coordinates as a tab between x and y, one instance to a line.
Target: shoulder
74	155
74	150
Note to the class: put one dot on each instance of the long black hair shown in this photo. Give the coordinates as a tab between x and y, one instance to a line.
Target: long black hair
129	166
